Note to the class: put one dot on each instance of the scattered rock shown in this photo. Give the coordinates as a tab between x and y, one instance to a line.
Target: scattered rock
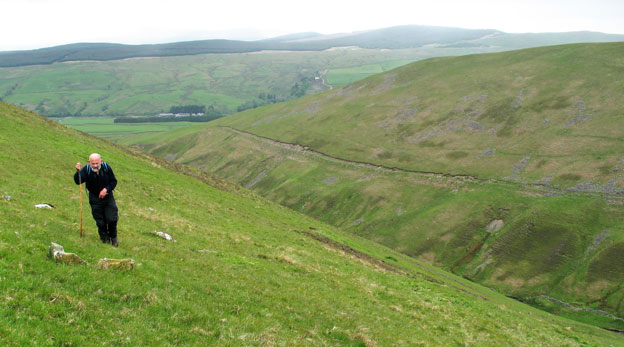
520	165
399	211
385	85
495	225
257	179
597	240
163	235
581	117
487	153
68	258
357	221
206	251
474	126
118	264
565	304
330	180
365	178
396	308
150	208
6	197
577	119
265	120
546	179
590	187
57	252
54	248
517	102
44	206
487	262
495	129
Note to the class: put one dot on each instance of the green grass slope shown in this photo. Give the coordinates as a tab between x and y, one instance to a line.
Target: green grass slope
545	115
242	272
561	236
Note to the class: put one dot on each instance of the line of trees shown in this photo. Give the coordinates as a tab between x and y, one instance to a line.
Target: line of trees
205	118
298	90
265	99
188	109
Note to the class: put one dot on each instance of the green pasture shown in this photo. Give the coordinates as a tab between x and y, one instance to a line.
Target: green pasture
105	127
344	76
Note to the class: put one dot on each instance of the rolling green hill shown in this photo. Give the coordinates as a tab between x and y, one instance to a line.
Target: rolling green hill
242	272
104	79
505	168
224	81
387	38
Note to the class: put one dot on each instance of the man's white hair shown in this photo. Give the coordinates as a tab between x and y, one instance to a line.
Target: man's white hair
95	156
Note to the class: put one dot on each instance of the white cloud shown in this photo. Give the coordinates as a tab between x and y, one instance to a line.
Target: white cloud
39	23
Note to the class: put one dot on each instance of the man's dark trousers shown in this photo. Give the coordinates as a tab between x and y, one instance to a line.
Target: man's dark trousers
105	213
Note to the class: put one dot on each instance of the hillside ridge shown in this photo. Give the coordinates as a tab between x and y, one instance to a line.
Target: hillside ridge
541	186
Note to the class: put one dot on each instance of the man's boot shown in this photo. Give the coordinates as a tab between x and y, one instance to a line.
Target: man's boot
112	233
103	234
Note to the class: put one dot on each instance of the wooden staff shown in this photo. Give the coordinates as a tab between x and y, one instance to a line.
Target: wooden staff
80	184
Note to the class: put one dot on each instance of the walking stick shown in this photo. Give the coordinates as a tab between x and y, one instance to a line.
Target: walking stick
80	184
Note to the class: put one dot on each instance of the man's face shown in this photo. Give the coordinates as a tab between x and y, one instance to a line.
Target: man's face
95	163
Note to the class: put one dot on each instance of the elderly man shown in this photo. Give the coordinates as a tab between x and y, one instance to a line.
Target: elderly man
100	181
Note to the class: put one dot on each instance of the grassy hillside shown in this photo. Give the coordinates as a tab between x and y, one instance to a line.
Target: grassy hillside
545	115
112	79
427	158
243	270
153	85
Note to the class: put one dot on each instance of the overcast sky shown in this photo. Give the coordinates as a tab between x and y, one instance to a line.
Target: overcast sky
29	24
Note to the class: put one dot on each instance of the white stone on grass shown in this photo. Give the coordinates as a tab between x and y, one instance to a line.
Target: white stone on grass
163	235
57	252
495	225
118	264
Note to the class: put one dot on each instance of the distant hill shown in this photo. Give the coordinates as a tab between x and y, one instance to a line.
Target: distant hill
409	36
104	79
294	37
400	37
243	271
506	168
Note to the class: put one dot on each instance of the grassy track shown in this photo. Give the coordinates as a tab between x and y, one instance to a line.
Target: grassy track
105	127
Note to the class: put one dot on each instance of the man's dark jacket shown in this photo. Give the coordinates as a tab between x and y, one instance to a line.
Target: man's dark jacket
94	182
